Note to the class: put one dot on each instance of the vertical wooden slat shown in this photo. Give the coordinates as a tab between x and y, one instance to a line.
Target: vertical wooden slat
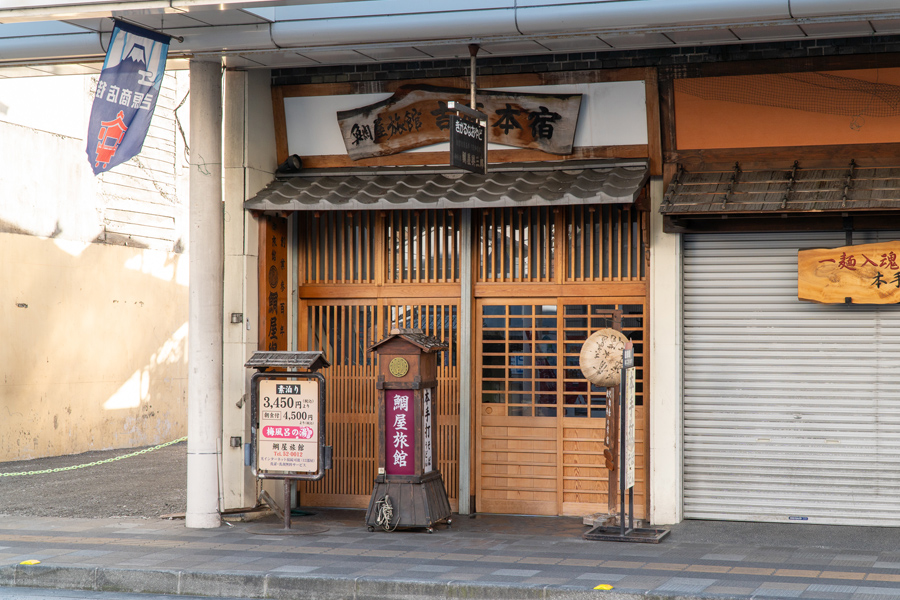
403	250
482	254
517	259
546	237
429	233
629	244
559	261
320	249
619	235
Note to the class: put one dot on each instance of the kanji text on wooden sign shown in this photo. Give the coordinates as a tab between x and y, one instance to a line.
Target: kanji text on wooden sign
867	274
417	115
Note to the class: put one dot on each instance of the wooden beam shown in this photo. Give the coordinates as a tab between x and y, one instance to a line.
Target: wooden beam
776	222
431	292
636	291
654	131
328	161
281	142
810	157
667	116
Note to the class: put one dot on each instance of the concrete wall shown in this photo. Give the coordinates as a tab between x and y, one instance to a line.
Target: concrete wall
93	301
249	164
666	398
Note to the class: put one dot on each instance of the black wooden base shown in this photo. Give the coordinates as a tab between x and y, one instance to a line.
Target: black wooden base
414	503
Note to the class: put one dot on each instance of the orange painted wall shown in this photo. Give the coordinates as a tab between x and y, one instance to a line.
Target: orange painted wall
704	123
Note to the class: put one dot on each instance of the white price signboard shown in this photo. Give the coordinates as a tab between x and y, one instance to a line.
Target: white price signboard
288	438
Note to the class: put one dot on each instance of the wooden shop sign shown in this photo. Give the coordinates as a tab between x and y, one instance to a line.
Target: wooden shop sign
417	115
864	274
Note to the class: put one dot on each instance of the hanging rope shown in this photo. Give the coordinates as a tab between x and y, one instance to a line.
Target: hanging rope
385	511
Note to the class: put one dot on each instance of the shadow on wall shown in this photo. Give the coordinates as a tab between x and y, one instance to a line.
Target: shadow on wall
95	355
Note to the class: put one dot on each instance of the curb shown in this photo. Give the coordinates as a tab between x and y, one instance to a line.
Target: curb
292	587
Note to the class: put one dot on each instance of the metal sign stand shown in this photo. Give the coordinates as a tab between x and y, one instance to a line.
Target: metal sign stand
285	369
614	529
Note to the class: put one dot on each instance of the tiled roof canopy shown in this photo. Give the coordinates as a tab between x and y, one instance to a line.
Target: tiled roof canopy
406	188
792	190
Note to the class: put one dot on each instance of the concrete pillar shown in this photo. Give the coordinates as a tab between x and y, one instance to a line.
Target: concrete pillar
666	396
205	297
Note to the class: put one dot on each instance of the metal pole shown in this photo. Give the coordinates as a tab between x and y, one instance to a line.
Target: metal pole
622	425
464	333
473	50
287	503
206	248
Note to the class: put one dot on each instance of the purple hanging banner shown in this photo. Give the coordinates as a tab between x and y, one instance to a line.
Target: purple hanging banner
126	95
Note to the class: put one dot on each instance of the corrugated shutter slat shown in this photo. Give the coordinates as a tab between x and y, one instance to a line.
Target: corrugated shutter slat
791	409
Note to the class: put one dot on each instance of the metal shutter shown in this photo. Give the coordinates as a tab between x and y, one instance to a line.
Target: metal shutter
791	409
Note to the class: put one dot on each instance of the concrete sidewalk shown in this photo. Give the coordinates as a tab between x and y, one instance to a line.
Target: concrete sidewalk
335	557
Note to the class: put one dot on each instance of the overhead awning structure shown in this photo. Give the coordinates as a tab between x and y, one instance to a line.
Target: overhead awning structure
782	191
791	198
532	184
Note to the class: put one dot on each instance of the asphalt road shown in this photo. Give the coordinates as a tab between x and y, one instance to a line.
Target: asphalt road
148	485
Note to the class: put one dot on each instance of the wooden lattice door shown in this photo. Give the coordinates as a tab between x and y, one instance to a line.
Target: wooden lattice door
360	275
540	423
546	279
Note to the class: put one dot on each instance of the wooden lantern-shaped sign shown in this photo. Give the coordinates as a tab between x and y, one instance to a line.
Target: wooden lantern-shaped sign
409	490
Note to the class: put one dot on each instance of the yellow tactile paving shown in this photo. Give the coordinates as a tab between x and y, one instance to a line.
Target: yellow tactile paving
882	577
667	566
796	573
842	575
709	568
751	571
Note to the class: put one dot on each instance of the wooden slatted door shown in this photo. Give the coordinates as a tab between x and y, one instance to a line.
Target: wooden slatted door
345	330
540	424
360	274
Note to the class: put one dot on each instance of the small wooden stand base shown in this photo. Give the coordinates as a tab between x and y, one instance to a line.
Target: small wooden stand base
416	503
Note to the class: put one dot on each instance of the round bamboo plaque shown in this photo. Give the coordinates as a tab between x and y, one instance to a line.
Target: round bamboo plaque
601	357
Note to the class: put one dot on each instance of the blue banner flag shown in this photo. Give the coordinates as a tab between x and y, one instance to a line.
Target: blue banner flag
126	95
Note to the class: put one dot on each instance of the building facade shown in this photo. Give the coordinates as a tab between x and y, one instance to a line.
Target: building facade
95	276
764	132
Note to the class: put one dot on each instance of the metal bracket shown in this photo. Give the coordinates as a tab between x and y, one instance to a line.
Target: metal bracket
792	179
732	183
848	182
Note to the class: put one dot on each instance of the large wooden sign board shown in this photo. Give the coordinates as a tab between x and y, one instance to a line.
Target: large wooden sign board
417	115
864	274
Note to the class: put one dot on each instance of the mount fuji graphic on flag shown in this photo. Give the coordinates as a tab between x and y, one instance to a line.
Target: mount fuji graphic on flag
126	95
